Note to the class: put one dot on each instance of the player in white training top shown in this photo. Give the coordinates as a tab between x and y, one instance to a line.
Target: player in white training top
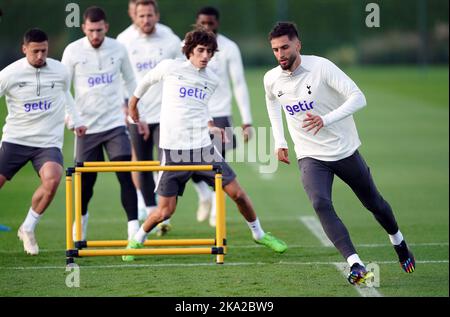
227	65
318	101
125	36
146	48
185	126
98	66
37	91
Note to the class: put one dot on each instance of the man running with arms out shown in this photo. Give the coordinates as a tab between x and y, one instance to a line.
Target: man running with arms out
37	91
185	140
98	65
318	100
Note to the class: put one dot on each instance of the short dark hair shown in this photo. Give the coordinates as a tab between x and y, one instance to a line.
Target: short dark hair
284	28
94	14
147	3
209	11
35	35
199	36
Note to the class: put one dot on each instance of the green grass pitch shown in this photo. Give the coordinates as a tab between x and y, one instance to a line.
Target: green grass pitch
404	131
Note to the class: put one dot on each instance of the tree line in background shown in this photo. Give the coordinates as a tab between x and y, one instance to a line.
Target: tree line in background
411	31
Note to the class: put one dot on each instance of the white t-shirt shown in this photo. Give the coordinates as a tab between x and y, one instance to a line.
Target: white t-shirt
227	65
184	108
318	87
37	100
98	75
145	52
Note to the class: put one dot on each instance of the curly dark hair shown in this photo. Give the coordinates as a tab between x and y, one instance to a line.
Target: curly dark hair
199	36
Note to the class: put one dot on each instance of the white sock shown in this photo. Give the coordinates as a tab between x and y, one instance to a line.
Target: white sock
397	238
133	228
84	223
141	235
31	220
354	258
256	229
140	197
150	210
203	191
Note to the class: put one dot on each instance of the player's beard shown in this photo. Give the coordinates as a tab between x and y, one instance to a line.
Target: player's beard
291	61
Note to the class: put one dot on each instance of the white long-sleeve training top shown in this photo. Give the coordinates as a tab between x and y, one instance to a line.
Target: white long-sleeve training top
37	100
145	52
227	64
97	76
318	87
184	108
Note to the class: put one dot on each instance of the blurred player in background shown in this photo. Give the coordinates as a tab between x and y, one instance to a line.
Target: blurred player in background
97	66
227	65
147	45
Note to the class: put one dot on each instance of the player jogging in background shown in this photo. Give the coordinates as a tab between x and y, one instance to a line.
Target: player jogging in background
318	100
131	32
185	126
146	48
97	66
227	65
37	91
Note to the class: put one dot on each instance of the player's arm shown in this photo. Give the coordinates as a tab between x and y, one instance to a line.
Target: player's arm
240	89
340	82
73	120
152	77
3	83
276	121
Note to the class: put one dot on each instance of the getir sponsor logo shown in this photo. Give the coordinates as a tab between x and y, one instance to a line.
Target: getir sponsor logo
192	92
100	80
299	107
37	106
146	65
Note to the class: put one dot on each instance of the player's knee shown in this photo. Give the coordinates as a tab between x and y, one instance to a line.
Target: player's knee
2	181
51	185
378	205
239	197
167	212
322	204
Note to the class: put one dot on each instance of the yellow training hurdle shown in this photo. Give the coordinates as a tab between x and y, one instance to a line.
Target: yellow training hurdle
75	249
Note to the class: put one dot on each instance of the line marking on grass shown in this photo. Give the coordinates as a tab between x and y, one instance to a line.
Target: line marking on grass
291	246
164	265
363	291
313	224
315	227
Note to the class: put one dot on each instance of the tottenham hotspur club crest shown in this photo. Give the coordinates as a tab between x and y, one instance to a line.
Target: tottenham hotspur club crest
309	89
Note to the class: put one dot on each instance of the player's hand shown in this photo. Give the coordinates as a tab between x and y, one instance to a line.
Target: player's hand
143	130
81	131
247	132
312	122
219	132
283	156
133	111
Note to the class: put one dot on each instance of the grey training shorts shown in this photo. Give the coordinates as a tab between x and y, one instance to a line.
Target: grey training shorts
14	156
173	183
